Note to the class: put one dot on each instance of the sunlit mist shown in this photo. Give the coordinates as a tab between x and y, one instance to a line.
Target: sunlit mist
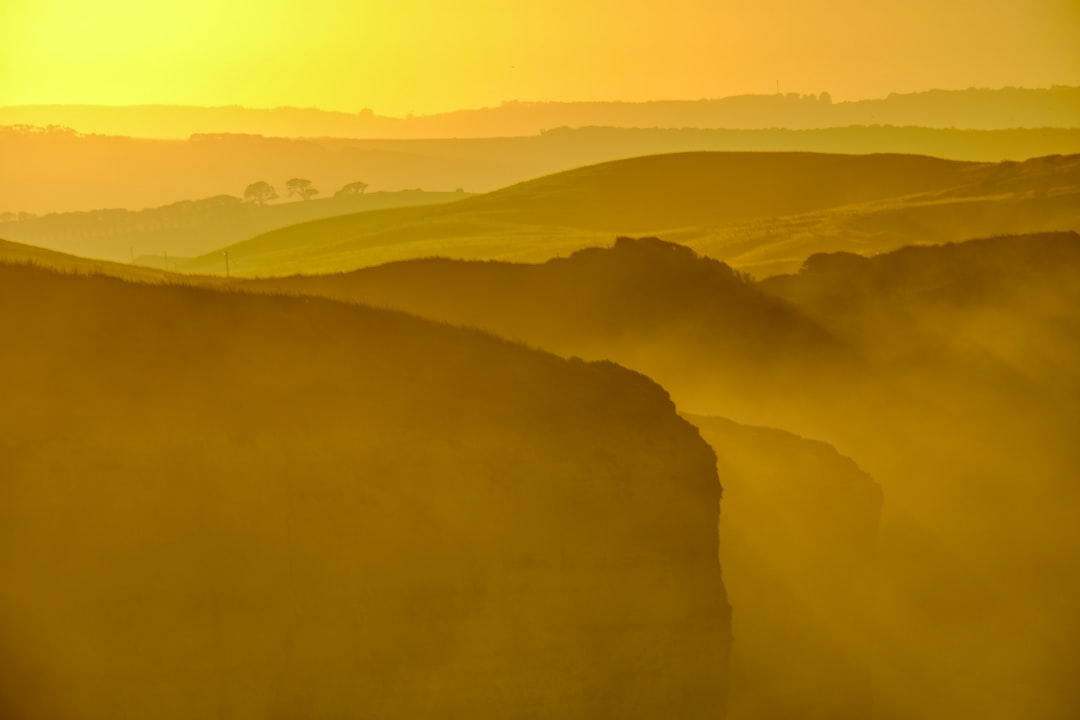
578	361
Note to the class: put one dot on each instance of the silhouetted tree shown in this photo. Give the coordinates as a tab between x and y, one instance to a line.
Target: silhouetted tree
301	187
260	193
353	188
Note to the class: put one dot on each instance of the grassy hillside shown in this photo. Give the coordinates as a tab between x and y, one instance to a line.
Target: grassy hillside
227	504
191	227
759	211
21	253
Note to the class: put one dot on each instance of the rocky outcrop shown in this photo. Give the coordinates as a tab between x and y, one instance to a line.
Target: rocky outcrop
797	543
219	505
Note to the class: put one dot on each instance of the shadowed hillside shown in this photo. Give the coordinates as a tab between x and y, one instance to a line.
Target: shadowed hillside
221	504
975	443
797	539
999	315
753	210
948	372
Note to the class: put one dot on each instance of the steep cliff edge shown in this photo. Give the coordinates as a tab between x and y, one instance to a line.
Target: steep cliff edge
797	543
224	505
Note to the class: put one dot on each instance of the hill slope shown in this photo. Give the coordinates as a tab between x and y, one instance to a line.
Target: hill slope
656	306
975	442
21	253
216	503
190	227
754	210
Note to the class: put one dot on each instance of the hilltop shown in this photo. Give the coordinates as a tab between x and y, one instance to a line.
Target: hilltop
320	487
763	212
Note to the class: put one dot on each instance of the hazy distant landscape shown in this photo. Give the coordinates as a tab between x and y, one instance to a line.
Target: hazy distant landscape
974	108
337	384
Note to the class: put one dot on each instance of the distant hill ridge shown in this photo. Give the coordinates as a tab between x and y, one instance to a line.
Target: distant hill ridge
1057	106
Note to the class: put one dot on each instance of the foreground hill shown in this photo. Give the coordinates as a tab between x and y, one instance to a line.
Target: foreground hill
223	504
758	211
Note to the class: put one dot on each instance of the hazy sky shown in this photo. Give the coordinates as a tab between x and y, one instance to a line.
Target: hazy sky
422	56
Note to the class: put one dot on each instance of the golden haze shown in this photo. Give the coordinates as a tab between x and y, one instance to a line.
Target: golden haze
421	56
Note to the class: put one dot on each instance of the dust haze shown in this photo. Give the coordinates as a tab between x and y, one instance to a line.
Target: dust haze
749	408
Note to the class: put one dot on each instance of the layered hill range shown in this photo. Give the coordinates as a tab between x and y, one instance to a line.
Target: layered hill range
760	212
221	504
61	160
949	372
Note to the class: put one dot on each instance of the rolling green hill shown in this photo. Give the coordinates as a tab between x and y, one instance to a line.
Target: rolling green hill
764	212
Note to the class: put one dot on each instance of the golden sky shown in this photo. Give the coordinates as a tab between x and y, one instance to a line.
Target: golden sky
423	56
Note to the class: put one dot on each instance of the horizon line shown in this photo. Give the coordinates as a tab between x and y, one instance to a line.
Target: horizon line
369	112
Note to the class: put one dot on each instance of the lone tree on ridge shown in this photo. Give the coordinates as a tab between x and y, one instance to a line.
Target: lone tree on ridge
353	188
260	193
301	187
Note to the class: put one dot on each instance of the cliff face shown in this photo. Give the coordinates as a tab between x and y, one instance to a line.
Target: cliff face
797	543
222	505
